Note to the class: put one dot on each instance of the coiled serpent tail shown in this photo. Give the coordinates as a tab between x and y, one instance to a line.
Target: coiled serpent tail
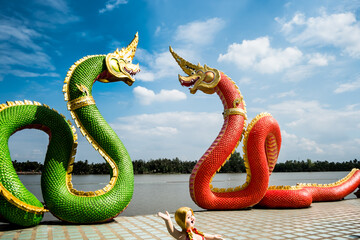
21	207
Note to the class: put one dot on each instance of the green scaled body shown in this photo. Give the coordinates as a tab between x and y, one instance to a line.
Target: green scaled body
76	206
12	118
17	204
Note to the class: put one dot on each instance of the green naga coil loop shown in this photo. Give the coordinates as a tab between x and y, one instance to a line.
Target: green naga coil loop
21	207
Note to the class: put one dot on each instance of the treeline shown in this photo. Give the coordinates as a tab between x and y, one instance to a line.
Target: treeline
318	166
234	165
164	165
27	166
80	167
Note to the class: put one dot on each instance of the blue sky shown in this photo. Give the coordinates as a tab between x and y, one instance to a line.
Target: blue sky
298	60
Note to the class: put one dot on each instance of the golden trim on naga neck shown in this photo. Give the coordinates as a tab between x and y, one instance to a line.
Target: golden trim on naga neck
199	77
81	101
235	110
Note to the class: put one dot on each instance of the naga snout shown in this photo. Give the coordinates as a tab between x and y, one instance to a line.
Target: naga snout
188	81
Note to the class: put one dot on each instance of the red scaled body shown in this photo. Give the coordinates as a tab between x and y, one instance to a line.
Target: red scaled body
262	141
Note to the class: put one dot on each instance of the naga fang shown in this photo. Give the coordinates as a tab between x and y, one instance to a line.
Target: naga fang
261	146
17	204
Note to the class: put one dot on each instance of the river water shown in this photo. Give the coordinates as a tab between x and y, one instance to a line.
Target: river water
167	192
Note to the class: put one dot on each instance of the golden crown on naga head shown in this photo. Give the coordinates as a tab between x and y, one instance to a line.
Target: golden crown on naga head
127	53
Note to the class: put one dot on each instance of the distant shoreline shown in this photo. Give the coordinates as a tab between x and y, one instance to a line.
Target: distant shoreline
175	166
39	173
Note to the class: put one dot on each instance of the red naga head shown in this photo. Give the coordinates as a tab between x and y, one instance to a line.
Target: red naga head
199	77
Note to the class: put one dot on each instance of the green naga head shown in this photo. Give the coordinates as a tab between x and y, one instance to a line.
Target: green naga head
201	78
119	64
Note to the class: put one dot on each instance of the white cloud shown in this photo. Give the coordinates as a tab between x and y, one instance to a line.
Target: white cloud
304	144
317	120
319	59
22	47
295	146
56	12
24	40
278	60
245	54
164	64
287	27
168	134
157	31
159	65
298	73
352	107
59	5
316	131
21	73
260	56
290	93
245	81
15	32
199	32
36	59
145	76
146	96
348	87
112	4
341	30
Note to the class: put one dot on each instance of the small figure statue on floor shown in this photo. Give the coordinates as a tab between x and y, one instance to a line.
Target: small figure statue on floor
185	218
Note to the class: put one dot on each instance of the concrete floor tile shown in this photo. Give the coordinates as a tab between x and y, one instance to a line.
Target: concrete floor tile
316	222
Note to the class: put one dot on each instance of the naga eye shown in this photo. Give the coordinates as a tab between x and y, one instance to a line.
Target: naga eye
114	64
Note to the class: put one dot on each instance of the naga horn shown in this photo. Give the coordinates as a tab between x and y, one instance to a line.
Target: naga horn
128	53
186	66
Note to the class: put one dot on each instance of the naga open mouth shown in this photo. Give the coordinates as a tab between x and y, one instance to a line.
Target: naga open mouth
119	64
118	70
127	76
131	71
188	81
200	78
